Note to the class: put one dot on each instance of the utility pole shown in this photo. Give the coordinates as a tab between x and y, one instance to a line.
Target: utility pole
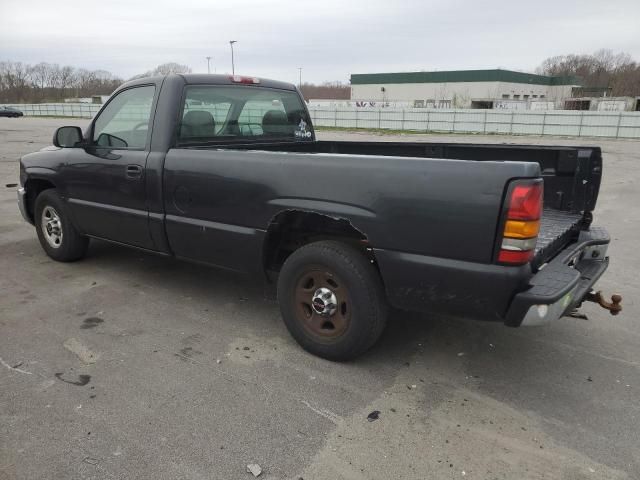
233	67
208	66
299	77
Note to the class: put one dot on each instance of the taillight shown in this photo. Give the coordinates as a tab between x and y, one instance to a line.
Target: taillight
522	224
245	80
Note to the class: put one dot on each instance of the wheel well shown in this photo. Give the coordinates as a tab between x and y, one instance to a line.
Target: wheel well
292	229
35	187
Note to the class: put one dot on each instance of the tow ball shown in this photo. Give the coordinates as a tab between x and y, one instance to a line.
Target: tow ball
613	306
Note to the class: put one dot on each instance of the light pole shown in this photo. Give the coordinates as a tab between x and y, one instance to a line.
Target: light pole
233	68
208	67
299	77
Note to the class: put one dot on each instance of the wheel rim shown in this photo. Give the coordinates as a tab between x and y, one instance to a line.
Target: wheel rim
52	227
322	302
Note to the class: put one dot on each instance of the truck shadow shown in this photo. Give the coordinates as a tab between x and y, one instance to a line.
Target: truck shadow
406	333
479	345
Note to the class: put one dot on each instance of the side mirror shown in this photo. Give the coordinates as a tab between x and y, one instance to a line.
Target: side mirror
108	140
67	137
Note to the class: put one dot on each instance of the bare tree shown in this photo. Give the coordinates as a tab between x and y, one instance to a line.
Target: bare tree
327	90
602	69
15	81
172	67
164	69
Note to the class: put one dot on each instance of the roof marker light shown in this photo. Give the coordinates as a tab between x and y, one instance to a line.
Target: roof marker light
244	80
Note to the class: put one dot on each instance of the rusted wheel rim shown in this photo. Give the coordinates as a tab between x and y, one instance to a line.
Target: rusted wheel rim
322	302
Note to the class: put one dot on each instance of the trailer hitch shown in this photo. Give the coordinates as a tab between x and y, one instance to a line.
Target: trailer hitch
614	306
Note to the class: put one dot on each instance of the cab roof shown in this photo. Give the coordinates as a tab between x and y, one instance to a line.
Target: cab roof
210	79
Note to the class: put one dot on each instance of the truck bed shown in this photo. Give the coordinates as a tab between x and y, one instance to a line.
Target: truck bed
571	177
557	228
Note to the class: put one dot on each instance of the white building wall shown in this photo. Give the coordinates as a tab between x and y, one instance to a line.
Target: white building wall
460	94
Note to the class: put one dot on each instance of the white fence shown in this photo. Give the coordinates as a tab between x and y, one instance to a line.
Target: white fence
514	122
83	110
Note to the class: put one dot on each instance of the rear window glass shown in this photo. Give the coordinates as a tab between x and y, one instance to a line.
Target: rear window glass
242	114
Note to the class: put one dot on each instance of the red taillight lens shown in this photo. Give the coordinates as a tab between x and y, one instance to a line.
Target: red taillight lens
515	257
522	224
525	202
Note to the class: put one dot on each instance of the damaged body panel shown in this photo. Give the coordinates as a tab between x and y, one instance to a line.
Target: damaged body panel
228	172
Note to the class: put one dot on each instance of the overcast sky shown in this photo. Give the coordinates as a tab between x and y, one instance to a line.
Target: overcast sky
328	39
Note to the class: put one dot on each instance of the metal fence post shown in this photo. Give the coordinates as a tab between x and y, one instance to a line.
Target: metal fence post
356	118
335	117
511	123
618	125
453	127
428	115
402	124
379	117
544	121
581	121
484	123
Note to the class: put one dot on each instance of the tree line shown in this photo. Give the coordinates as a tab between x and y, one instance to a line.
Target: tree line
326	90
617	72
50	82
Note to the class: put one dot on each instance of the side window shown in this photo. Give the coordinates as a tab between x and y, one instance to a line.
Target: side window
124	122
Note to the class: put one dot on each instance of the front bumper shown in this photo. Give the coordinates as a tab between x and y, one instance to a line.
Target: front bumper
563	283
22	205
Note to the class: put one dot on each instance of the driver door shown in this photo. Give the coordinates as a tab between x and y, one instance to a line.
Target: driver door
105	180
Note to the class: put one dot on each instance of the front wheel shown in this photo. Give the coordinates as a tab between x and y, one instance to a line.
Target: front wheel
332	300
58	237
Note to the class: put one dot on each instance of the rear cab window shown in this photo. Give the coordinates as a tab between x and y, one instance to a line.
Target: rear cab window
230	114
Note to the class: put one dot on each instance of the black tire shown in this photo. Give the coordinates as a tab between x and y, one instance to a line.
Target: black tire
71	245
360	309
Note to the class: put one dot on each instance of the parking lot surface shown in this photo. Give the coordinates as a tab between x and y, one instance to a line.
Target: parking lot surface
126	365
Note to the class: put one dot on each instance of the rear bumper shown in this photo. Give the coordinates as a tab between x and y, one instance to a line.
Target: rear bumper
563	283
452	287
22	204
512	295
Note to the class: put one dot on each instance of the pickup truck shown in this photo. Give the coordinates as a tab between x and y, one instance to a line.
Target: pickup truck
227	171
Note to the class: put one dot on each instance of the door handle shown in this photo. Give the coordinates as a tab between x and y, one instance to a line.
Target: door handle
134	171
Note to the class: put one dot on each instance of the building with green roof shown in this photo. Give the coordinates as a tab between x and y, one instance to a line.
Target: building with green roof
495	88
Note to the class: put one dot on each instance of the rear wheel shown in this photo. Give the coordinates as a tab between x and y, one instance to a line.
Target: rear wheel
58	237
332	300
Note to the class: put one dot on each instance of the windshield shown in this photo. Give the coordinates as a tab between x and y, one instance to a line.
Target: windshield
242	114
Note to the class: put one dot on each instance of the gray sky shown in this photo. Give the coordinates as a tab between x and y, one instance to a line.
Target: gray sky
329	39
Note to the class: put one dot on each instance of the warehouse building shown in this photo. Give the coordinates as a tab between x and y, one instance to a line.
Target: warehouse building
462	89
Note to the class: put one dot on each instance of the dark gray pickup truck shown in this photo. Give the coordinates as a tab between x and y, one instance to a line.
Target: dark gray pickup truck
226	170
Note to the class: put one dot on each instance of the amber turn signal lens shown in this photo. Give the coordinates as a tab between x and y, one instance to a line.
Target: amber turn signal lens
521	228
